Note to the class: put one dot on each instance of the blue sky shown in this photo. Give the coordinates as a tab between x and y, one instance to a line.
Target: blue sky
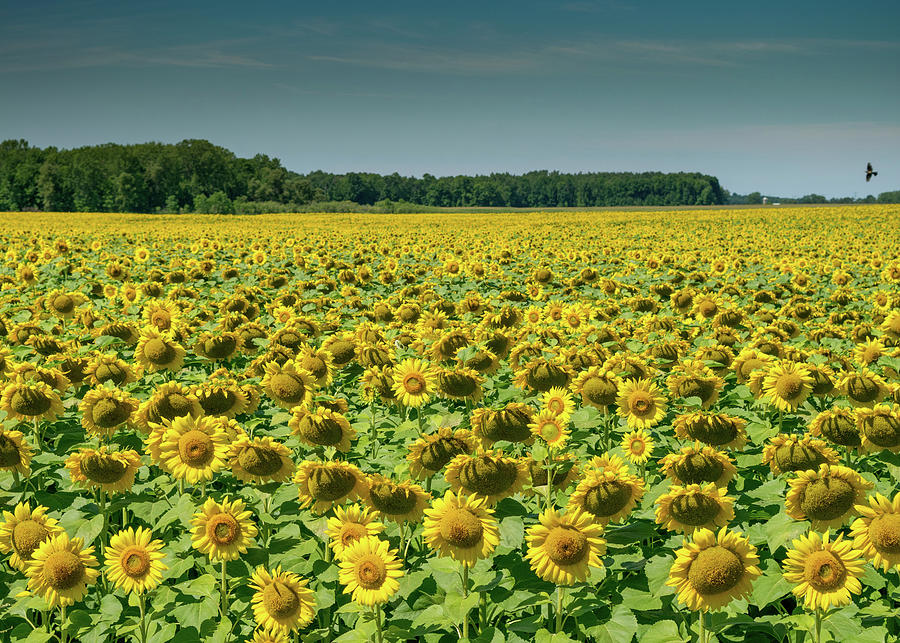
784	98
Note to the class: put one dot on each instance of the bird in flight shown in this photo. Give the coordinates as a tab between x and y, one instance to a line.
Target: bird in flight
870	172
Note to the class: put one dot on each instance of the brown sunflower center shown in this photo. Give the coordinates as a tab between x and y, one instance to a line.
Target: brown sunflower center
460	527
109	412
101	468
218	401
695	509
824	571
488	475
637	447
882	430
437	454
715	569
884	532
287	387
566	545
280	600
698	468
135	561
392	499
599	391
841	429
330	484
9	452
223	529
789	386
798	457
640	404
174	405
697	387
29	401
196	448
863	389
259	461
351	532
371	572
321	429
550	431
827	499
414	383
158	352
26	536
607	498
63	304
63	570
508	424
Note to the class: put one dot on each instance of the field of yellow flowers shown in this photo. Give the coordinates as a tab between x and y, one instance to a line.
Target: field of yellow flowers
551	427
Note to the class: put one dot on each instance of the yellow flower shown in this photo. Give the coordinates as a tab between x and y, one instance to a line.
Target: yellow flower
698	464
786	385
415	381
193	449
879	427
133	560
489	475
260	460
431	453
60	570
400	502
288	385
324	485
711	570
112	472
461	527
103	410
157	351
282	602
640	403
551	428
598	387
558	401
15	454
687	509
510	424
368	570
222	531
786	453
876	533
638	446
714	429
563	547
349	525
608	494
825	572
322	427
26	399
24	530
826	497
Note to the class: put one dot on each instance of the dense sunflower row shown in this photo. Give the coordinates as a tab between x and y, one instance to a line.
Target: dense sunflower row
349	429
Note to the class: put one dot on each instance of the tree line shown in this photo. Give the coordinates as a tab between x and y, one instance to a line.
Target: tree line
197	176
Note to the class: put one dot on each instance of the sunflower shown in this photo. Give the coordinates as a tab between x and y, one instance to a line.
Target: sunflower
541	374
863	388
786	453
558	401
640	403
222	531
15	454
109	368
565	472
876	533
825	572
879	427
168	402
133	560
749	360
511	423
489	475
786	385
714	429
157	351
698	464
609	462
415	381
219	345
369	570
563	547
288	385
638	446
349	525
551	428
322	427
222	396
378	381
461	527
838	425
112	472
24	530
103	410
826	497
161	315
693	507
260	460
283	601
431	453
60	570
400	502
713	569
193	449
608	494
695	379
52	377
459	383
326	484
318	363
26	399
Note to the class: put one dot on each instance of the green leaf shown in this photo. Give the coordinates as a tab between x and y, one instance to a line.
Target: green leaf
781	529
769	587
662	632
456	606
512	531
620	628
657	572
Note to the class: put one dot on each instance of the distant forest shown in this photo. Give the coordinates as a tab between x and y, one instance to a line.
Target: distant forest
197	176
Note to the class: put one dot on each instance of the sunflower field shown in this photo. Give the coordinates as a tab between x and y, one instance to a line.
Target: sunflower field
551	427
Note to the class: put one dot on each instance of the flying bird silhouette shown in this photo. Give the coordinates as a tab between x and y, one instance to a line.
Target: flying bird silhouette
870	172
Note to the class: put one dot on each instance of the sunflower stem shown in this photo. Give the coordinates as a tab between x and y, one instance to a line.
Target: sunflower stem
560	593
105	522
419	419
62	624
143	607
482	611
818	632
378	623
702	617
224	590
550	483
465	584
15	478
